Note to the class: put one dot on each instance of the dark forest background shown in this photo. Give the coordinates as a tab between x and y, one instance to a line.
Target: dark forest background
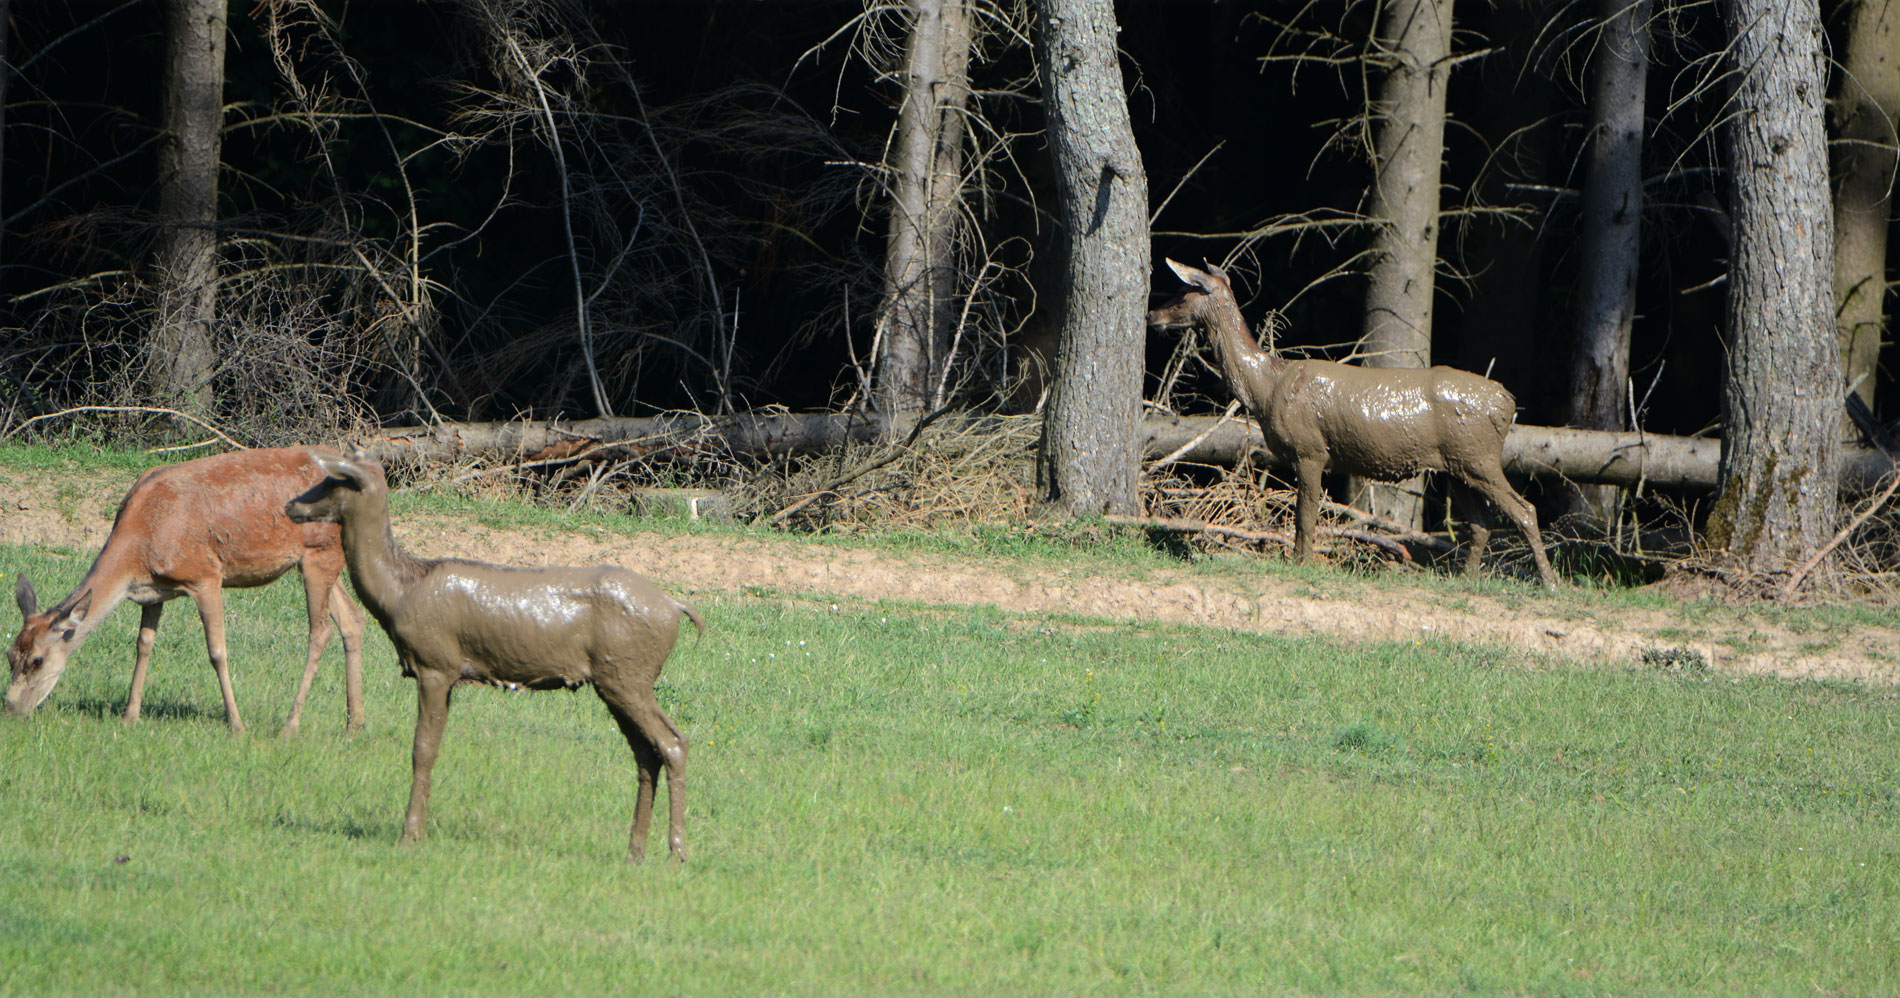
768	131
395	243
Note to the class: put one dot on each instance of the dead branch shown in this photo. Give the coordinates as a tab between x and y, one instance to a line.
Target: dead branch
1867	511
1181	526
221	435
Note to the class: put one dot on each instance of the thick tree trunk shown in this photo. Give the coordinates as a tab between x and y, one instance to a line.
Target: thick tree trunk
179	356
927	215
1611	230
1866	157
6	76
1776	503
1409	143
1090	456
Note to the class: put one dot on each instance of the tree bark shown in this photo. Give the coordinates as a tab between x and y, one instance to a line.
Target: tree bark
1782	392
1409	142
6	76
1866	156
179	356
1090	456
1611	230
927	214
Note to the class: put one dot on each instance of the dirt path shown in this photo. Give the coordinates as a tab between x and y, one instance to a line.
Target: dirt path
1356	610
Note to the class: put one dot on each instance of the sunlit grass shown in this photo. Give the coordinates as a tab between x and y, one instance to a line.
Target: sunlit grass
887	797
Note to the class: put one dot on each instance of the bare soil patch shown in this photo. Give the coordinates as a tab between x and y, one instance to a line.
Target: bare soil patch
61	514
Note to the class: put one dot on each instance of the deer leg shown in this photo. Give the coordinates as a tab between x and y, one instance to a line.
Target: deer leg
647	758
1306	512
316	594
432	715
211	611
349	622
148	637
1466	506
665	745
1491	483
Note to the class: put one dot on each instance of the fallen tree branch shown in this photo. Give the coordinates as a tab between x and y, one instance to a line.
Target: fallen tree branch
1580	456
1393	529
1873	506
1391	544
1175	454
1183	526
220	434
890	456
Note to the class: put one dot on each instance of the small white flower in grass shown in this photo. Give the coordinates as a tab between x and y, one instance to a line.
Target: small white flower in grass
1008	810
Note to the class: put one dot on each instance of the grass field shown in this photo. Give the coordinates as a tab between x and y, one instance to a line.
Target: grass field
895	798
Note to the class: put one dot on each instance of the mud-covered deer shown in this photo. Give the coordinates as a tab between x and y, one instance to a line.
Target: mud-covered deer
1383	423
455	621
196	529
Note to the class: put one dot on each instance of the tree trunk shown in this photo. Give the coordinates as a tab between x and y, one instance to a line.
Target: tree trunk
1090	455
927	216
1776	503
1611	229
1409	143
1866	110
6	76
179	358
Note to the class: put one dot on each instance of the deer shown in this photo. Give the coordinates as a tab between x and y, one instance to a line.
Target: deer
197	528
1387	423
456	621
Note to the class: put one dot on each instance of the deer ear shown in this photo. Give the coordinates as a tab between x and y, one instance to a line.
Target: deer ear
337	466
1219	273
75	615
1184	272
28	599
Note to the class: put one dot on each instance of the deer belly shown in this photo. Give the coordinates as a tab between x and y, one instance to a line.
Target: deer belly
1384	434
1383	464
529	659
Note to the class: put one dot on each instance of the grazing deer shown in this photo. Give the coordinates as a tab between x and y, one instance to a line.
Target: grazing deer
455	621
196	529
1383	423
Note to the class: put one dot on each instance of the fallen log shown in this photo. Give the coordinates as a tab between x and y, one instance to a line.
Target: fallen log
1582	456
1593	457
528	441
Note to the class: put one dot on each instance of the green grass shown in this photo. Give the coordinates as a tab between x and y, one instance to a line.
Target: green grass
889	798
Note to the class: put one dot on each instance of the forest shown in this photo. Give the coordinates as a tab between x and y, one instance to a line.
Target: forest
899	226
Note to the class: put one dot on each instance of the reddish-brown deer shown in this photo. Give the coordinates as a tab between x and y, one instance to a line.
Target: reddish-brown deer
454	621
1384	423
196	529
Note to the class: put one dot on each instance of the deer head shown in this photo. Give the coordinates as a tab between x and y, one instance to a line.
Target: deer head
40	651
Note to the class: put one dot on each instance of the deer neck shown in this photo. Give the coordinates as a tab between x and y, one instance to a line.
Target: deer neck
110	580
377	565
1250	370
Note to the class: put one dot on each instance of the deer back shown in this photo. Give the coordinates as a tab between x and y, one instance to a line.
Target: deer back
1387	423
535	627
222	517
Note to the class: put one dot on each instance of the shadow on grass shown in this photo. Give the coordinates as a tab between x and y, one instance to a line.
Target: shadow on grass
103	709
356	828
